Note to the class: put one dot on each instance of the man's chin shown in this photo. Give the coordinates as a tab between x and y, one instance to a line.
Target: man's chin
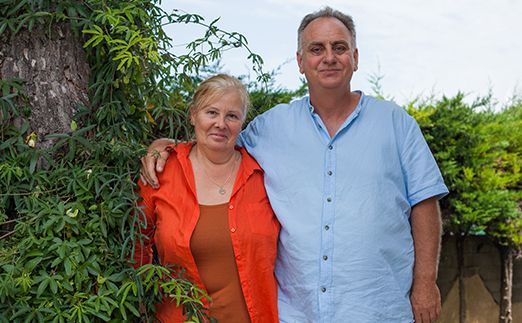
333	85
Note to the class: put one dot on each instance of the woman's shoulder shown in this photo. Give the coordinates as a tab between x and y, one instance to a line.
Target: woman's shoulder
177	159
247	159
180	148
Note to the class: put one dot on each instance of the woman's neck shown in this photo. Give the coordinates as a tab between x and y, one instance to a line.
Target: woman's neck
214	174
213	157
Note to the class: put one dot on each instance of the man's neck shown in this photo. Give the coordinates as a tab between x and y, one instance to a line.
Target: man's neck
334	107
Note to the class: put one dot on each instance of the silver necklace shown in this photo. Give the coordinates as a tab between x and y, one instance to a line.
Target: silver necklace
222	189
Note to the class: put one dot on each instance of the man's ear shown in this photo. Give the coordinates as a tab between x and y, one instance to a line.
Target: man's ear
356	59
299	58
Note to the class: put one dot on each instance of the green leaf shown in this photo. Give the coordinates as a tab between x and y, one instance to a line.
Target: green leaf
133	309
32	164
41	288
68	266
31	264
54	286
20	4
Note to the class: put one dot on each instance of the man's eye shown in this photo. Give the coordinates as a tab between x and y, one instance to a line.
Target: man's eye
340	49
316	50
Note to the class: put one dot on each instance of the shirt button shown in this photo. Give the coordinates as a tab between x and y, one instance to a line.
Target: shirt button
329	199
323	289
326	227
233	230
325	257
330	147
330	173
231	207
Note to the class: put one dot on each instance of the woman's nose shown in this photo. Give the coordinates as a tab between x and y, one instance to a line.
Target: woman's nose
220	122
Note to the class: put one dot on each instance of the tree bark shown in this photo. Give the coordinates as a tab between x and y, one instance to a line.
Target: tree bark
460	239
52	64
507	255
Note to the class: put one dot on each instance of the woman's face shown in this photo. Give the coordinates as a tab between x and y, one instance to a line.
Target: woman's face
218	124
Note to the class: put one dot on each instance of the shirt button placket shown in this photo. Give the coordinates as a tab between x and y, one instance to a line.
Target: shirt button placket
327	242
232	228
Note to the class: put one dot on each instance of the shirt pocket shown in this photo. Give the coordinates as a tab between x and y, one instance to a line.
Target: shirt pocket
263	234
261	219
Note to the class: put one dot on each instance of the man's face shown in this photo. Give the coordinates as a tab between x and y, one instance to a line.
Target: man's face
327	58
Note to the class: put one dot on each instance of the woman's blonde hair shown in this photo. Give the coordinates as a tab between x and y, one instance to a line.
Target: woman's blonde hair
216	86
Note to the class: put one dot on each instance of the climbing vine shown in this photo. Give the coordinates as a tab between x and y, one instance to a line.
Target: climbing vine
68	213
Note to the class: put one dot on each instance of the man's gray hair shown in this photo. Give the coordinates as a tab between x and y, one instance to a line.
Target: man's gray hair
326	12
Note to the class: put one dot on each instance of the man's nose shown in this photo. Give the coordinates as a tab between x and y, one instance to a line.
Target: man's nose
329	56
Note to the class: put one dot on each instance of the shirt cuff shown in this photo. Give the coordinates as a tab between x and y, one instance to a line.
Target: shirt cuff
438	190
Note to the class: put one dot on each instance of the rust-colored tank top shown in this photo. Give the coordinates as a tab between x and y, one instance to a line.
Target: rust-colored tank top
211	247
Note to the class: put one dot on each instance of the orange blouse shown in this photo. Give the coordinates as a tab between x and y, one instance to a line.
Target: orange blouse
172	213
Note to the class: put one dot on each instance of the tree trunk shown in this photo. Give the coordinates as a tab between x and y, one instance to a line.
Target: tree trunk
460	239
51	62
506	288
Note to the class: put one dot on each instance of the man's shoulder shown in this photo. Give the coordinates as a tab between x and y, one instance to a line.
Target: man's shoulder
384	109
379	103
282	109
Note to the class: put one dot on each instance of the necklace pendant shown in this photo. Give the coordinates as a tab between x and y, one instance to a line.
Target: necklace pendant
222	191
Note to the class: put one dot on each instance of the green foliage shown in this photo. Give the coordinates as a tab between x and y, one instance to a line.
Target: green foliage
269	95
68	215
479	153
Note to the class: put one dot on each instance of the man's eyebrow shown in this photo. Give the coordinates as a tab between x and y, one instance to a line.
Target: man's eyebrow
315	43
340	42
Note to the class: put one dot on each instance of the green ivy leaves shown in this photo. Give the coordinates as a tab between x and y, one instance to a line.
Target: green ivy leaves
479	152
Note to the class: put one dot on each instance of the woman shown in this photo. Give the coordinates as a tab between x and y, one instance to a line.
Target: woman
211	214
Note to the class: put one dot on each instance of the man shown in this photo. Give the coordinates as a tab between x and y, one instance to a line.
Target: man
355	187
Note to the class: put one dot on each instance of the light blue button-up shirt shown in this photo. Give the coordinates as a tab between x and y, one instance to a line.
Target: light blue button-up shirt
346	250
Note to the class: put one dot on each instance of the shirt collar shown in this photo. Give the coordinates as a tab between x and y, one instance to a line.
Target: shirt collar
355	112
182	151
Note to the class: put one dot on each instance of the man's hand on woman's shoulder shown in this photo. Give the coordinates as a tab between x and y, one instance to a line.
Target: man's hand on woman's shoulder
154	161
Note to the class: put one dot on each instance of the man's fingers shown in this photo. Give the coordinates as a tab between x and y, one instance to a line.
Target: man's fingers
150	171
434	315
154	161
143	180
426	315
147	171
417	316
162	159
437	313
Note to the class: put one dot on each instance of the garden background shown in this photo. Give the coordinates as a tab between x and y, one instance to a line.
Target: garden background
86	85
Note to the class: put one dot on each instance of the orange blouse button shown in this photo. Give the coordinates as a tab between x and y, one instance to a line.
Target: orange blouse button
233	230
